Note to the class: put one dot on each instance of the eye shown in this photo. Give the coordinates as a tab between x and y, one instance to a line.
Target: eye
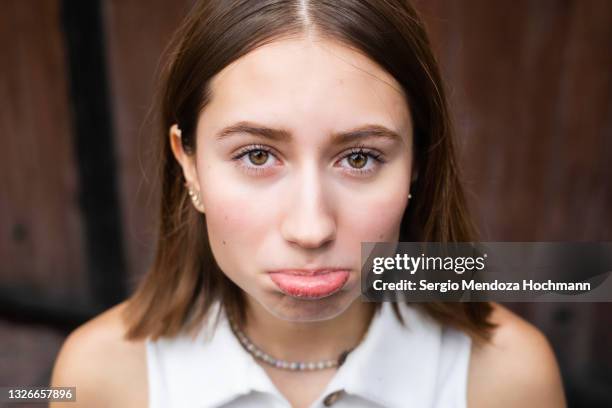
259	159
255	158
363	161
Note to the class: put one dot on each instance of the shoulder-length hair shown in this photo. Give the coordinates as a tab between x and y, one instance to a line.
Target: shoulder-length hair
184	280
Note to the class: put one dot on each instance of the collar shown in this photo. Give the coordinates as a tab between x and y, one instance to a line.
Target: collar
394	365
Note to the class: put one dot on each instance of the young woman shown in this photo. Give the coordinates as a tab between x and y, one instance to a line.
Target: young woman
292	131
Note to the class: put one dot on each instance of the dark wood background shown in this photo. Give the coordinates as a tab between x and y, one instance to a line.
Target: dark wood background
531	93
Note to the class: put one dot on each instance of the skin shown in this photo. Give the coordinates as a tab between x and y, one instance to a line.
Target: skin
303	204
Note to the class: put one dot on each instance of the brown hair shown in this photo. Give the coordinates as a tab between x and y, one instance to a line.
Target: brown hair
185	280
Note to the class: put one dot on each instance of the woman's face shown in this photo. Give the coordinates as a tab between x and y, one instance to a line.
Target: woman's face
280	185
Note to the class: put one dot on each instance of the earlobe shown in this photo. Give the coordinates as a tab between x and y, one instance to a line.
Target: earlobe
194	194
413	179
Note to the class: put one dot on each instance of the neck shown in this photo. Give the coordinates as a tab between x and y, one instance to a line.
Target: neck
307	341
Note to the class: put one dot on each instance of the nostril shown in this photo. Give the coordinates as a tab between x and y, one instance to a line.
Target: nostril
312	242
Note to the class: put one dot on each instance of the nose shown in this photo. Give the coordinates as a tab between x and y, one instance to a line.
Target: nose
309	221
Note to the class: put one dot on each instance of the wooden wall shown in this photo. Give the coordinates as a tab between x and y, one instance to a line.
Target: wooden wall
530	87
42	231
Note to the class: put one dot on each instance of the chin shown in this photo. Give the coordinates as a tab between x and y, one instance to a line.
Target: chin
308	310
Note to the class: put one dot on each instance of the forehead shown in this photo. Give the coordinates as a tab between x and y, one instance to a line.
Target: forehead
306	85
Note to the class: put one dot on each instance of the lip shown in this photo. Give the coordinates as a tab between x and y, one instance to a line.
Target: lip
307	272
310	283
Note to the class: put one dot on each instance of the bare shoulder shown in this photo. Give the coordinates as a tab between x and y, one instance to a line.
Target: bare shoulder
517	368
106	369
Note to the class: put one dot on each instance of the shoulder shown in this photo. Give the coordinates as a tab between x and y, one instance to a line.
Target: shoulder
105	368
516	368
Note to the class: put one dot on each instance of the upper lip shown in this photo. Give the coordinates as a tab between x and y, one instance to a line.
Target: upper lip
307	272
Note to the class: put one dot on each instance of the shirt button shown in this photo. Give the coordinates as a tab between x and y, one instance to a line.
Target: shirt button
332	398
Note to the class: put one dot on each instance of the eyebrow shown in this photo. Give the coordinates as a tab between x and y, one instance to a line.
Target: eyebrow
282	135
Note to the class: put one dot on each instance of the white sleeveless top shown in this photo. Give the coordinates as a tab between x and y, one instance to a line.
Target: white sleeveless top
420	365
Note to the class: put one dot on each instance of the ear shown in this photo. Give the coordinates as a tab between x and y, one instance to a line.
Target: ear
186	161
414	174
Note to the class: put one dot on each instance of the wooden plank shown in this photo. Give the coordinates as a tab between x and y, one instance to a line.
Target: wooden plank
530	92
28	355
41	244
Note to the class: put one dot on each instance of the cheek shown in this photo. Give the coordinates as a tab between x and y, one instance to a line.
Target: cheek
377	219
236	223
376	215
232	207
232	217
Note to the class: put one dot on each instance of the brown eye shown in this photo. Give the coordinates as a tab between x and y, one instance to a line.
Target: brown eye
357	160
258	157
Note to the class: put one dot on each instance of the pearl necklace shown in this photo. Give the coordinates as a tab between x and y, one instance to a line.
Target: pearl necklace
284	364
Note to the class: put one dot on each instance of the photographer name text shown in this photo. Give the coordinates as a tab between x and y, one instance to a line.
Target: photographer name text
473	285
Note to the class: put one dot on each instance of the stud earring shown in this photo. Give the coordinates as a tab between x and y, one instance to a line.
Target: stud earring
409	196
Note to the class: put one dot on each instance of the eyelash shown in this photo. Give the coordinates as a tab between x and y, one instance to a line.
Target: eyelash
258	170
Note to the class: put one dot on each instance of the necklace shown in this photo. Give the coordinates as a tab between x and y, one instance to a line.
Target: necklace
261	355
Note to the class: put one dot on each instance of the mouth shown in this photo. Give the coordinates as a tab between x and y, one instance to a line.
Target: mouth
310	283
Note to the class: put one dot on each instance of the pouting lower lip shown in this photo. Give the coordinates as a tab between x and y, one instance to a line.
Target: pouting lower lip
313	286
307	272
